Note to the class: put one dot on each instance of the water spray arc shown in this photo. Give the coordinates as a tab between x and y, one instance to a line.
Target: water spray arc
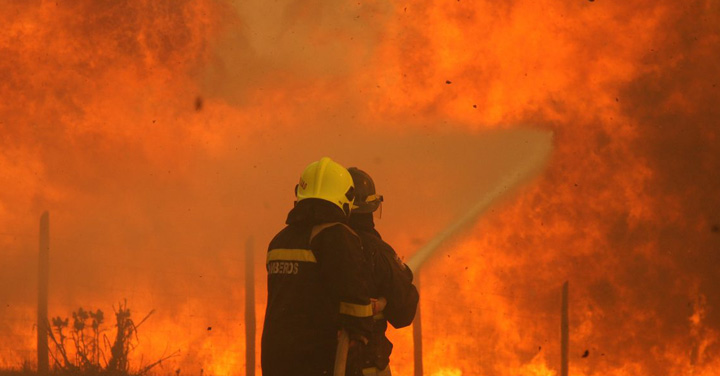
504	186
420	257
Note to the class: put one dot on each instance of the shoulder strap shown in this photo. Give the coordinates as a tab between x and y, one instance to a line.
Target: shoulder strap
319	228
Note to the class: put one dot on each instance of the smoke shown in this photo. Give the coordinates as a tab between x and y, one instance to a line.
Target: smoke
160	135
293	46
676	114
626	212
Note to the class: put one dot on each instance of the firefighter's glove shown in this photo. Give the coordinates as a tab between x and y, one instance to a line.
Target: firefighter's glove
378	305
360	340
355	339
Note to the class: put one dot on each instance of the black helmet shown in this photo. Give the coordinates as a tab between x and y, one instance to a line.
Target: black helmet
366	201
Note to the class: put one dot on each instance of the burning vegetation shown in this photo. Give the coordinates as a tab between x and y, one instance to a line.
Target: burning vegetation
80	349
163	134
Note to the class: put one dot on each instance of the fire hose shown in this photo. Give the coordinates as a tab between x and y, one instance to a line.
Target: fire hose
341	353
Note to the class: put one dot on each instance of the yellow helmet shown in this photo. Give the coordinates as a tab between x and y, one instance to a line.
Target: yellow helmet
327	180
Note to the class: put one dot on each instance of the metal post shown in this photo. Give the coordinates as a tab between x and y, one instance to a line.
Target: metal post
42	312
249	309
417	335
564	332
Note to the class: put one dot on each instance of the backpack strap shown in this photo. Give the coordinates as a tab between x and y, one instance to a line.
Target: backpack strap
319	228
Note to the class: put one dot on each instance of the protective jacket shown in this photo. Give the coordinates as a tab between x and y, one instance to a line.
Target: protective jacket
317	284
391	279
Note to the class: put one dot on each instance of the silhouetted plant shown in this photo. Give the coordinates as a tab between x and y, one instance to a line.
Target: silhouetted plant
89	351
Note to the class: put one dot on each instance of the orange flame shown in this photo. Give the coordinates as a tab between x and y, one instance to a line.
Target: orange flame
161	134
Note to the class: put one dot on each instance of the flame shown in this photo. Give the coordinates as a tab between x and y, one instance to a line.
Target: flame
448	372
161	135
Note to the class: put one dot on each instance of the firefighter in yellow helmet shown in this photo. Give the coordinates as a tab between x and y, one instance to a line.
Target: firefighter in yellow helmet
393	294
317	276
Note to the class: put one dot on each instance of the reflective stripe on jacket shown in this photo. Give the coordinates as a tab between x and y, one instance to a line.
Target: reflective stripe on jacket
392	280
317	277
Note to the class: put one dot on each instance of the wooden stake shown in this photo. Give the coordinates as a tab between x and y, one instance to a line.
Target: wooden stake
42	312
417	335
249	309
564	332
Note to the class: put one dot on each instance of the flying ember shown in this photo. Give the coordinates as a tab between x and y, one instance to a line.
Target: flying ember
149	151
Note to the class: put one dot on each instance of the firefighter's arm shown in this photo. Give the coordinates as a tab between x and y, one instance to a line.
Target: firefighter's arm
344	271
402	296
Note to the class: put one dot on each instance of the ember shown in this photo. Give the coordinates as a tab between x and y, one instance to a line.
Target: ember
161	135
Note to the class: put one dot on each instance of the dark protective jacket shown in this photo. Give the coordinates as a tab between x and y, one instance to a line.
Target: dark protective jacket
391	279
317	284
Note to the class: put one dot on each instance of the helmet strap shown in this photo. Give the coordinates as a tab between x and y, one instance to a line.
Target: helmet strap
378	212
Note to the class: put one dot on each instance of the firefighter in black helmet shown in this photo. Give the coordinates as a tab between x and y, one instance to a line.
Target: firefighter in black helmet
394	297
317	278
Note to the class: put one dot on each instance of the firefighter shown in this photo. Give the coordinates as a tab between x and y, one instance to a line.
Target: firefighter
394	297
317	278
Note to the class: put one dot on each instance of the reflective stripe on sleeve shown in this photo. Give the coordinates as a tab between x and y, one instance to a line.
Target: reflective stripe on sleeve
357	310
282	254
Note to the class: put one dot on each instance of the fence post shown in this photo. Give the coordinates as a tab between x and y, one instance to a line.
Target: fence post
564	332
42	311
249	308
417	335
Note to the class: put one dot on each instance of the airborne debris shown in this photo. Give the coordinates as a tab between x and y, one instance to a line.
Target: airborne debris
209	327
587	352
448	82
198	103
